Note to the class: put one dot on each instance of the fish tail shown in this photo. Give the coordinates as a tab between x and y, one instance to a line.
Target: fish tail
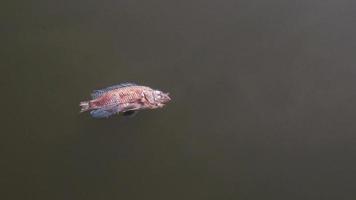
85	106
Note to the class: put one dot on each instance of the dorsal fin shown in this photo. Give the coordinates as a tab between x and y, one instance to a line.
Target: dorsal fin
97	93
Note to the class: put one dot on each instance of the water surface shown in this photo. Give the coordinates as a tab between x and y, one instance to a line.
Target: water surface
263	99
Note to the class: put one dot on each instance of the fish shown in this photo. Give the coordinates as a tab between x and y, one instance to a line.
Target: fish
125	98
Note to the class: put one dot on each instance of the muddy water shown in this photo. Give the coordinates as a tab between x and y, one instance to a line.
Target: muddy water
263	100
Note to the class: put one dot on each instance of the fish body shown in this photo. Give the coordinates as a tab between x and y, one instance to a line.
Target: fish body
127	98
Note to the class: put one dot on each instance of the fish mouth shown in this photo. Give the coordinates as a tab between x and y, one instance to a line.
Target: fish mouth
167	98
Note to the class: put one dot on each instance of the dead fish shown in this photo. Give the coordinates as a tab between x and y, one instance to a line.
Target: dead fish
126	98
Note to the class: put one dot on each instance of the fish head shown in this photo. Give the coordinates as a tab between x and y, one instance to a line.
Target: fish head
161	98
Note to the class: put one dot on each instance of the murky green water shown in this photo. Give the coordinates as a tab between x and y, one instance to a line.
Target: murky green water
263	100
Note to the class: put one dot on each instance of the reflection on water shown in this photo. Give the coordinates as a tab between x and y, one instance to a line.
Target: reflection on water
263	100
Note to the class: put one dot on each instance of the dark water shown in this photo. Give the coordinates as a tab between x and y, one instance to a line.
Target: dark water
264	99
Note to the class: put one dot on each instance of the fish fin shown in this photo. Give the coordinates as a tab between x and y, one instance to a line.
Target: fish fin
84	106
100	113
130	113
132	107
97	93
105	112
